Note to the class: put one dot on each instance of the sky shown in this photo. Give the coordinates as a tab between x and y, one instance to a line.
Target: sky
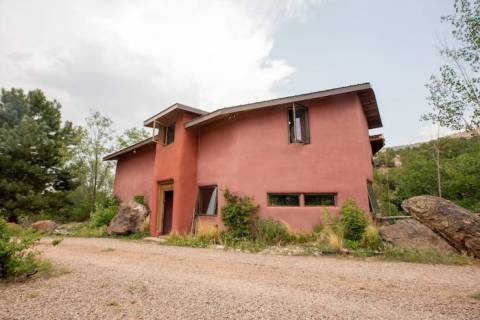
130	59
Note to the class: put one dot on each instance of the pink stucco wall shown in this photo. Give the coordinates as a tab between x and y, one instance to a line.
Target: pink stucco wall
249	153
133	176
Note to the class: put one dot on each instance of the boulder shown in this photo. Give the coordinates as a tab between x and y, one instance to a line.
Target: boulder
409	233
44	225
459	227
129	219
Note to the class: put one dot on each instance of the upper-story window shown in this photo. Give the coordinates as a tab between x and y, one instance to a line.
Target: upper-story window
169	134
298	130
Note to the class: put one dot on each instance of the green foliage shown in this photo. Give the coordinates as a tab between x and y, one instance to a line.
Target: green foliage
237	214
35	152
56	242
422	256
15	257
271	232
455	92
353	220
96	176
86	230
139	199
371	239
459	167
104	212
132	136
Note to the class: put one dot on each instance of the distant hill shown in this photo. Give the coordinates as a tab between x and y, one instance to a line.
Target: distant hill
456	135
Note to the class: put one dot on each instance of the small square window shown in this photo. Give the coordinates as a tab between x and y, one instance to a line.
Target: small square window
169	134
284	200
207	200
298	130
312	200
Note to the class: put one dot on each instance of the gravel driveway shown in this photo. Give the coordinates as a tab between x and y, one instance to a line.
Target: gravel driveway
117	279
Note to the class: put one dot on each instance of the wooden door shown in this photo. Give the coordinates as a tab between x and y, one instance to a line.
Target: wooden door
165	208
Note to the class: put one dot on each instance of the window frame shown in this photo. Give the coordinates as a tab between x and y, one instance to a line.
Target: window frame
304	109
214	193
165	134
319	194
284	194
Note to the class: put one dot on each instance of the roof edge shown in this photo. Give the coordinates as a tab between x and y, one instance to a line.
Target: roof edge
115	155
174	107
278	101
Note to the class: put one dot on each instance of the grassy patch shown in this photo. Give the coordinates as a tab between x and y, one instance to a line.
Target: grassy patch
108	250
424	256
88	231
476	296
39	268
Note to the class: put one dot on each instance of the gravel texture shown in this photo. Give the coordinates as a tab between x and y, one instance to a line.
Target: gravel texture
118	279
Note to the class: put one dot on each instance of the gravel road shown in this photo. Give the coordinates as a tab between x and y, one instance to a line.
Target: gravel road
117	279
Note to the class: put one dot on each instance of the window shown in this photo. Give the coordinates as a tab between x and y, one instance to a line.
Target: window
316	199
298	130
372	199
284	200
169	134
207	200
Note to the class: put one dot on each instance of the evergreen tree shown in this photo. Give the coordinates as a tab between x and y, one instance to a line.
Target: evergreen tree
35	151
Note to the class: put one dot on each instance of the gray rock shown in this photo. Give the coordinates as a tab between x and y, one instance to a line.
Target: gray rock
129	219
459	227
410	233
44	225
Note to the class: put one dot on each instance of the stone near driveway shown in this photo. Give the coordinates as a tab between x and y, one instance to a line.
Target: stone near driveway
130	218
458	226
409	233
44	225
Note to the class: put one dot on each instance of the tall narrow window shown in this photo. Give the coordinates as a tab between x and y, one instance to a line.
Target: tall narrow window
298	125
207	200
169	134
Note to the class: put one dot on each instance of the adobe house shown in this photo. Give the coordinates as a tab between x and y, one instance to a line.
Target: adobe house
295	156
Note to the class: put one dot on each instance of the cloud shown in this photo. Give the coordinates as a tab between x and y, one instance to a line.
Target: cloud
130	59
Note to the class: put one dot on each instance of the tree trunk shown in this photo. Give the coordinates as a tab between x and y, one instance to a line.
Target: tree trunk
456	225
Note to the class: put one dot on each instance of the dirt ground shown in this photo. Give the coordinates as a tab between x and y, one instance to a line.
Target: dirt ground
118	279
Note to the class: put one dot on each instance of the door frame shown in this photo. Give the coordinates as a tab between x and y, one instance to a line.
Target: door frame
162	187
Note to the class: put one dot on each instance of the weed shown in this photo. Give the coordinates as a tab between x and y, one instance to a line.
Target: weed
272	232
56	242
476	296
371	239
108	250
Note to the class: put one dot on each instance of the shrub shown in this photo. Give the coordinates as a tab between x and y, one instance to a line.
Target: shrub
371	239
353	221
270	231
104	212
15	257
237	214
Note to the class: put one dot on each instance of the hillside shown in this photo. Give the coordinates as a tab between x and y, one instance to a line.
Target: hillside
407	171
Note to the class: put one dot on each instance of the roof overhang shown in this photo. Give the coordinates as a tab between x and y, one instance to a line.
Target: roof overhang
132	148
377	142
164	114
364	91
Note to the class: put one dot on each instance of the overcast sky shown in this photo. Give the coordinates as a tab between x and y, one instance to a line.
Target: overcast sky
130	59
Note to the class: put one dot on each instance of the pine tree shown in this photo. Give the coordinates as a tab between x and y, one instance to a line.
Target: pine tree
35	149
